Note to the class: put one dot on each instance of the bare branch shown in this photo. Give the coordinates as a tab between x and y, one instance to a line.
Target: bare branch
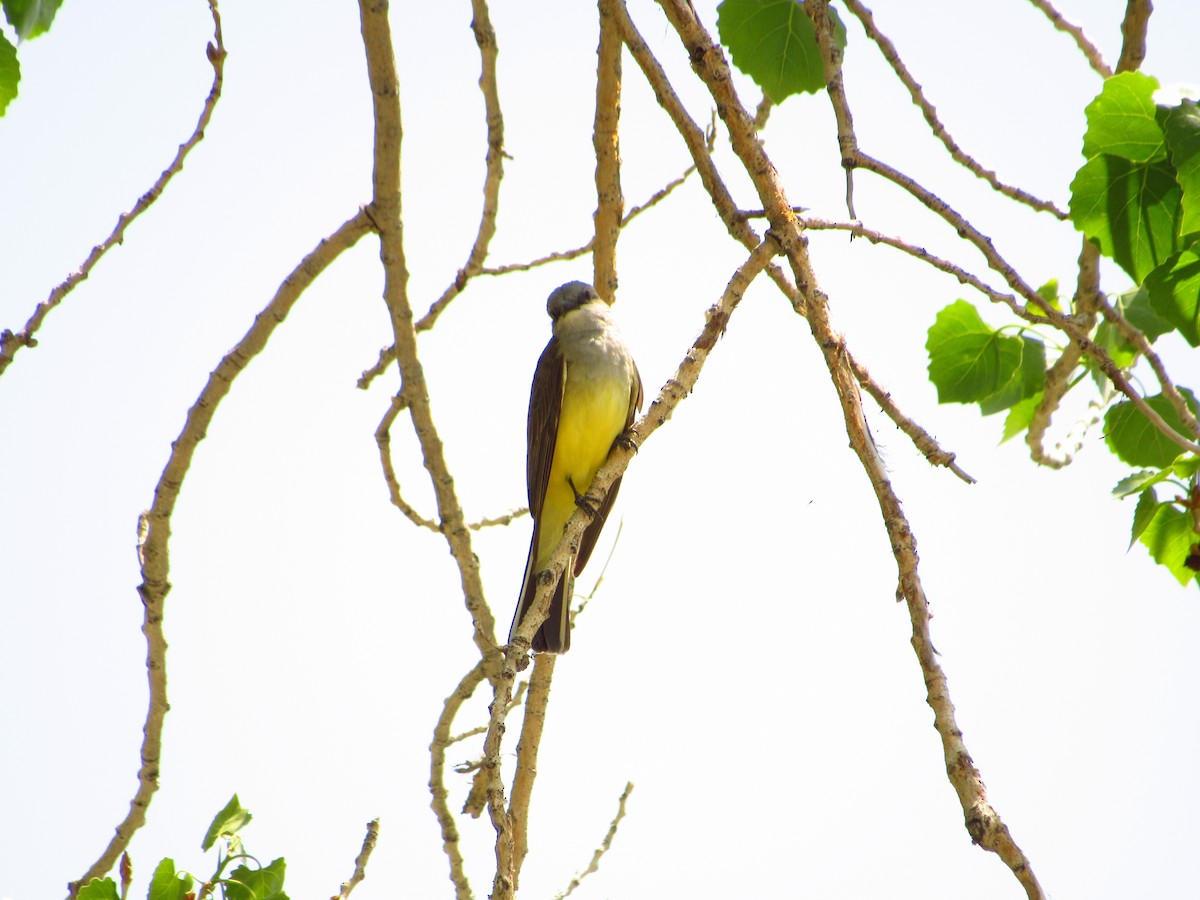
1094	57
610	201
388	354
699	144
383	439
604	845
10	343
385	211
517	697
709	62
154	525
485	38
921	438
532	725
564	255
1133	34
964	159
499	520
437	778
360	864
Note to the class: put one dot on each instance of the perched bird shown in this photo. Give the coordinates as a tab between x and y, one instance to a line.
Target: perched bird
586	390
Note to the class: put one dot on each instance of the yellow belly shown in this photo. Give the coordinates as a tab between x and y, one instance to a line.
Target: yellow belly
593	414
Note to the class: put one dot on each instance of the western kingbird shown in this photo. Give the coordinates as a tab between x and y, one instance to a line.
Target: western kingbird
586	390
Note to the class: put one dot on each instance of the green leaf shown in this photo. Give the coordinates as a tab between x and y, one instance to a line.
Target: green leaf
968	361
1112	342
1174	291
98	889
1169	538
1186	466
1183	140
1020	417
167	885
1147	506
1138	482
1027	380
1121	120
30	17
1049	293
257	884
1135	305
227	822
1133	438
10	73
1131	211
774	42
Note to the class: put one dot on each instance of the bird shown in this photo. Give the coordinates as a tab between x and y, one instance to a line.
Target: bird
586	391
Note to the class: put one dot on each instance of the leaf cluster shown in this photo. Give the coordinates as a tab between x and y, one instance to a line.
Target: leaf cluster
1137	198
249	881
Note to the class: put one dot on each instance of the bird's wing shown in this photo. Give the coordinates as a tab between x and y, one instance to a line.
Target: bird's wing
545	402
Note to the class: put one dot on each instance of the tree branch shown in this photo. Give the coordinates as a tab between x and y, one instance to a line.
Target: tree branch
1133	33
388	354
709	63
485	38
1094	57
610	201
604	844
360	864
385	211
437	778
532	724
154	525
10	343
964	159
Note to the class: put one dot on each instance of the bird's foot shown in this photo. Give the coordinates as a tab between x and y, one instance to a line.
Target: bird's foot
627	441
583	501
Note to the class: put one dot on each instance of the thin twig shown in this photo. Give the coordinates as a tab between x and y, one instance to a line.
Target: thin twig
564	255
488	522
517	697
360	864
437	778
388	354
1146	349
922	439
1094	57
485	39
383	440
960	156
587	598
154	525
10	343
604	844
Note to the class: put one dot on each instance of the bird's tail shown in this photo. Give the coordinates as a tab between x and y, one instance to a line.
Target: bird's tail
555	634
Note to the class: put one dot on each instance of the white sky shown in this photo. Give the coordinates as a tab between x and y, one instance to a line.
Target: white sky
768	706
